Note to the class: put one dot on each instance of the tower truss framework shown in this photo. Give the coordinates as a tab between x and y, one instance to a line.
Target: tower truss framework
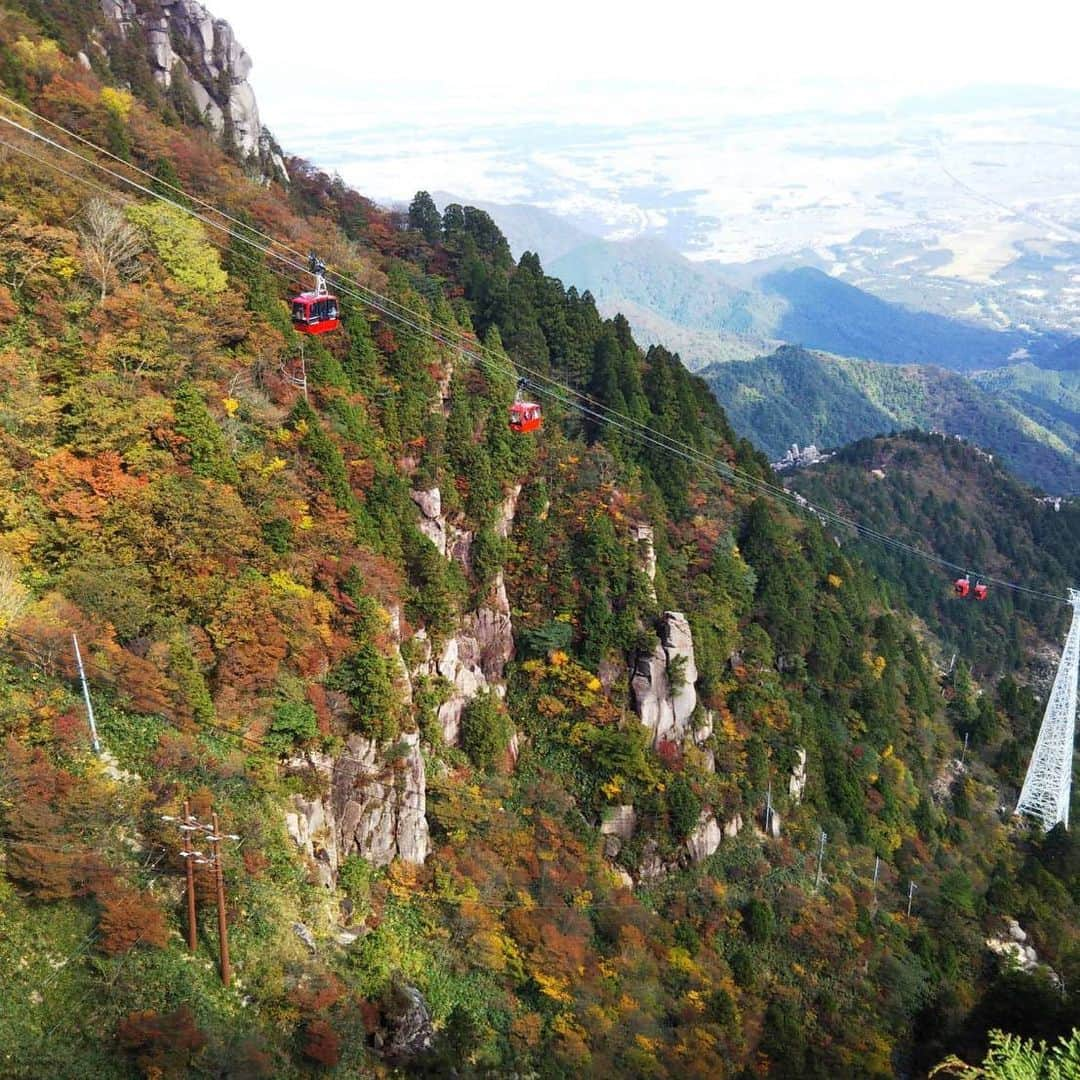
1047	786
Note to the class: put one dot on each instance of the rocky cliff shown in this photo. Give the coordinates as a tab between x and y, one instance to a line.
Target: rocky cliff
663	681
472	659
189	49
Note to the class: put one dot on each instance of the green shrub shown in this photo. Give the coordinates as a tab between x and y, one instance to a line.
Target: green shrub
485	730
294	723
684	806
366	677
181	244
205	443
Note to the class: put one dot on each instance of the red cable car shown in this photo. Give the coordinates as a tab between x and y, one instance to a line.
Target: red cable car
980	591
316	312
524	415
962	586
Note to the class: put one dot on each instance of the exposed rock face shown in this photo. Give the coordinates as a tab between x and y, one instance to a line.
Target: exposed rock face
1014	950
315	835
380	807
661	708
410	1022
305	935
797	782
702	736
184	40
507	510
651	867
474	658
643	534
431	519
705	838
619	821
375	808
618	826
733	827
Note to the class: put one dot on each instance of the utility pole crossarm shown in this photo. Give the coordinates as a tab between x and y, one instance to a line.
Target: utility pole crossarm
1048	784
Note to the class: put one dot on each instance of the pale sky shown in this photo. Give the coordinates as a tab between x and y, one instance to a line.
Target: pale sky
492	59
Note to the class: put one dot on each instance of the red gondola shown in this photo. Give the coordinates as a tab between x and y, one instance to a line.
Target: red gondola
316	312
524	415
980	591
962	586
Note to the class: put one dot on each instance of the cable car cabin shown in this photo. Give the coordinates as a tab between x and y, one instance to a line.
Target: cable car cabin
313	313
525	416
962	586
980	591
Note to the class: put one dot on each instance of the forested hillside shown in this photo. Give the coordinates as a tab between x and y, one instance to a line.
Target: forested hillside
1021	413
494	717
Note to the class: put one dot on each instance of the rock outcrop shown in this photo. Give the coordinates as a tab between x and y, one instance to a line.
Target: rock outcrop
1014	951
432	524
705	837
663	681
409	1020
185	42
797	780
617	826
475	657
643	535
375	807
379	805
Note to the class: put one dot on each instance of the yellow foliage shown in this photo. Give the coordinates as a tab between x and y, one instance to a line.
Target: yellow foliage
647	1044
281	581
835	580
230	405
696	1001
681	960
64	267
553	986
13	594
613	788
558	658
273	466
583	899
594	684
118	102
876	664
42	59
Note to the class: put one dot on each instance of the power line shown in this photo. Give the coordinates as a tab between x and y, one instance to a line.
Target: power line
482	356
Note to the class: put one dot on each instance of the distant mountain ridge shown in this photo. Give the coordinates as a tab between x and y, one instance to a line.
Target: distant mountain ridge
946	498
723	313
793	395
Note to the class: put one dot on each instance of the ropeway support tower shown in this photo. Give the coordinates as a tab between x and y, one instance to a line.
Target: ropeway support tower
1047	786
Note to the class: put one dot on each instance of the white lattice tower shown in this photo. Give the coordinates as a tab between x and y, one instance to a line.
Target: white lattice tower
1046	791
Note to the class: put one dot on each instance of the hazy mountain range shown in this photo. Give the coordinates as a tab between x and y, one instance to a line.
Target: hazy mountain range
1020	400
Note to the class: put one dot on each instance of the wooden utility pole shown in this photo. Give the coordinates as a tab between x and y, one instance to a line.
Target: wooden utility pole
189	869
215	839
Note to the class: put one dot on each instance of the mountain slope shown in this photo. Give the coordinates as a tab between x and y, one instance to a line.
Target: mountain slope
794	396
948	498
493	716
